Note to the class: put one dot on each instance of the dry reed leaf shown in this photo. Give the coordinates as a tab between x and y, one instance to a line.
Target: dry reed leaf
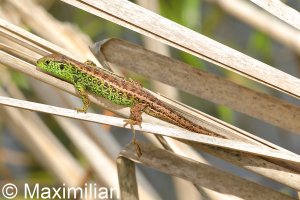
198	173
150	24
156	129
279	30
280	10
196	82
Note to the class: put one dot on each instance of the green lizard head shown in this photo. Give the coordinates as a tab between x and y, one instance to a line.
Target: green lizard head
55	65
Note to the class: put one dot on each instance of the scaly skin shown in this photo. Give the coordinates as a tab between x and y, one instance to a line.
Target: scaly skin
87	78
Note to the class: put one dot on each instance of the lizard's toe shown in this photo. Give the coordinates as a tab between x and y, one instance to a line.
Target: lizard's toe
131	123
82	110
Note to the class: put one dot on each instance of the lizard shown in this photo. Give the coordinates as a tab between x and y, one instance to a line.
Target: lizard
87	78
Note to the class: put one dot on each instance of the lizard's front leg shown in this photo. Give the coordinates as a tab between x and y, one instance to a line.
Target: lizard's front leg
135	118
84	97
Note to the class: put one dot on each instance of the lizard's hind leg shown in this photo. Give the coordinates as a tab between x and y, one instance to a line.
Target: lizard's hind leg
135	118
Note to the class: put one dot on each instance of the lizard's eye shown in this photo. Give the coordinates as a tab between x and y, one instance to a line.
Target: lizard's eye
47	62
61	66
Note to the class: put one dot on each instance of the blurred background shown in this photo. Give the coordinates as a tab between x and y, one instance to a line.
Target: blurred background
19	165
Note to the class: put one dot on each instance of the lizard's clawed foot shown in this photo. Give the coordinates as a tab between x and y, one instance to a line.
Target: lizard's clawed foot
82	110
134	141
135	82
131	123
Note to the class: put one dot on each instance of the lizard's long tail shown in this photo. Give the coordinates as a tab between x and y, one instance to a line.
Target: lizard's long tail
191	126
177	119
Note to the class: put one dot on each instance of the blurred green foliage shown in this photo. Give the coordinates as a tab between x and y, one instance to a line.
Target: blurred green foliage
260	45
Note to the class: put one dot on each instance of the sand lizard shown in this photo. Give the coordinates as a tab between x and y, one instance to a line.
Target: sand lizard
87	78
